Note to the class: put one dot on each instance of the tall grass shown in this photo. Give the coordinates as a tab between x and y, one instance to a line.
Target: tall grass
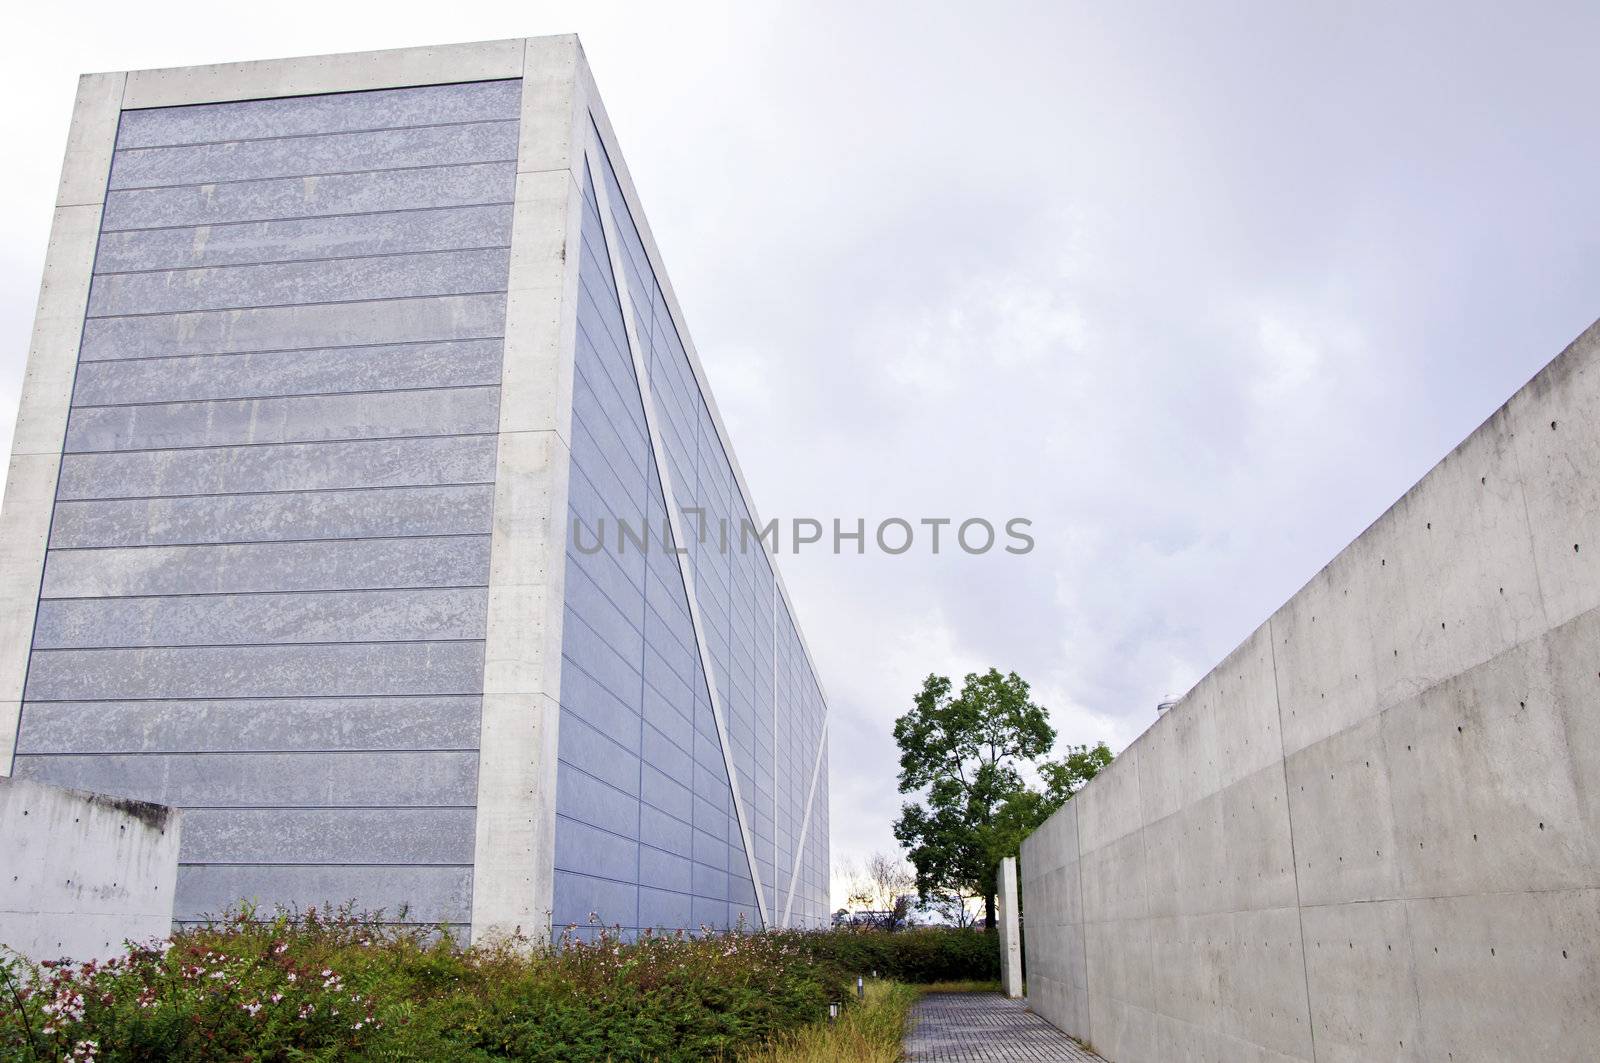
870	1032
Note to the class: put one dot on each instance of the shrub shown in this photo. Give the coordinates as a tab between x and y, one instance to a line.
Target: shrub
311	987
920	955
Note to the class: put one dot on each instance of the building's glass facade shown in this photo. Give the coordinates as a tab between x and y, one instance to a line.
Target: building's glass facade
648	832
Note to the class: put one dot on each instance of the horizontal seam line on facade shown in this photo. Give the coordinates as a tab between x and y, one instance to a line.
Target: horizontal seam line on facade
136	597
303	261
236	697
272	542
638	670
569	659
633	797
448	865
303	176
664	889
257	645
629	402
288	218
236	752
498	337
284	395
320	94
270	494
657	808
259	593
121	148
689	753
618	356
28	699
643	638
290	442
284	491
321	808
693	760
291	395
291	306
604	310
658	889
204	921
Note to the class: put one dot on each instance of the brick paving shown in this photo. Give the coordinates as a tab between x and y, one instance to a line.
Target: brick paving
985	1028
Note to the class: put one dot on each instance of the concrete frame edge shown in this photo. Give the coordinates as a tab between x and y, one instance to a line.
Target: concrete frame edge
315	74
46	394
514	847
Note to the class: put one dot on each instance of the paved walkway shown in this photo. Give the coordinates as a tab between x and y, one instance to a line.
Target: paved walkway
985	1028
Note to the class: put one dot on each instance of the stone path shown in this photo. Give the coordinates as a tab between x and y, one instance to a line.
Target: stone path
985	1028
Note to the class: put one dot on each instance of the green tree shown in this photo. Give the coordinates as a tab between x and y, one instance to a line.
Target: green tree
1025	811
1066	776
965	754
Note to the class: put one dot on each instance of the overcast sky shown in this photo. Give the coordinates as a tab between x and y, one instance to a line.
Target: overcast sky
1200	292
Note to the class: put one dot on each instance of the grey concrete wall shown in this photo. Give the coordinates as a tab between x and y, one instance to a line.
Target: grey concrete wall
83	872
1373	831
265	595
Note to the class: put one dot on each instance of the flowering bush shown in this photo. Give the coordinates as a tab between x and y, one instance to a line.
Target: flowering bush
319	987
239	994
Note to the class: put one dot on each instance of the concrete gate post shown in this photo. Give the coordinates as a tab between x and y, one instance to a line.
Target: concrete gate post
1010	930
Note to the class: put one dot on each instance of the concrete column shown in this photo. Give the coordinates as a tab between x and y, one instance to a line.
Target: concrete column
41	430
1010	930
513	863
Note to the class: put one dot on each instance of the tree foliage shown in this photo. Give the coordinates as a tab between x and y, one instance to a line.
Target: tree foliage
965	754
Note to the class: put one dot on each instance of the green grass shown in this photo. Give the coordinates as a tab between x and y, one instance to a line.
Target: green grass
960	987
872	1031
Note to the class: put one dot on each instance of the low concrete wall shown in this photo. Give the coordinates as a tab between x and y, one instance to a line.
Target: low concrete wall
80	872
1373	831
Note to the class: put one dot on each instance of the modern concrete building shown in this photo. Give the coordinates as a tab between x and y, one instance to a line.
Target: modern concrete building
340	366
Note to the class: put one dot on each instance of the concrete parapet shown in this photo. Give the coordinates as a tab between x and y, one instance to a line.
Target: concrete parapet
83	872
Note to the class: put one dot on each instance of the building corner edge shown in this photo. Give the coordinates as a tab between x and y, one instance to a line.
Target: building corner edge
47	383
514	846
